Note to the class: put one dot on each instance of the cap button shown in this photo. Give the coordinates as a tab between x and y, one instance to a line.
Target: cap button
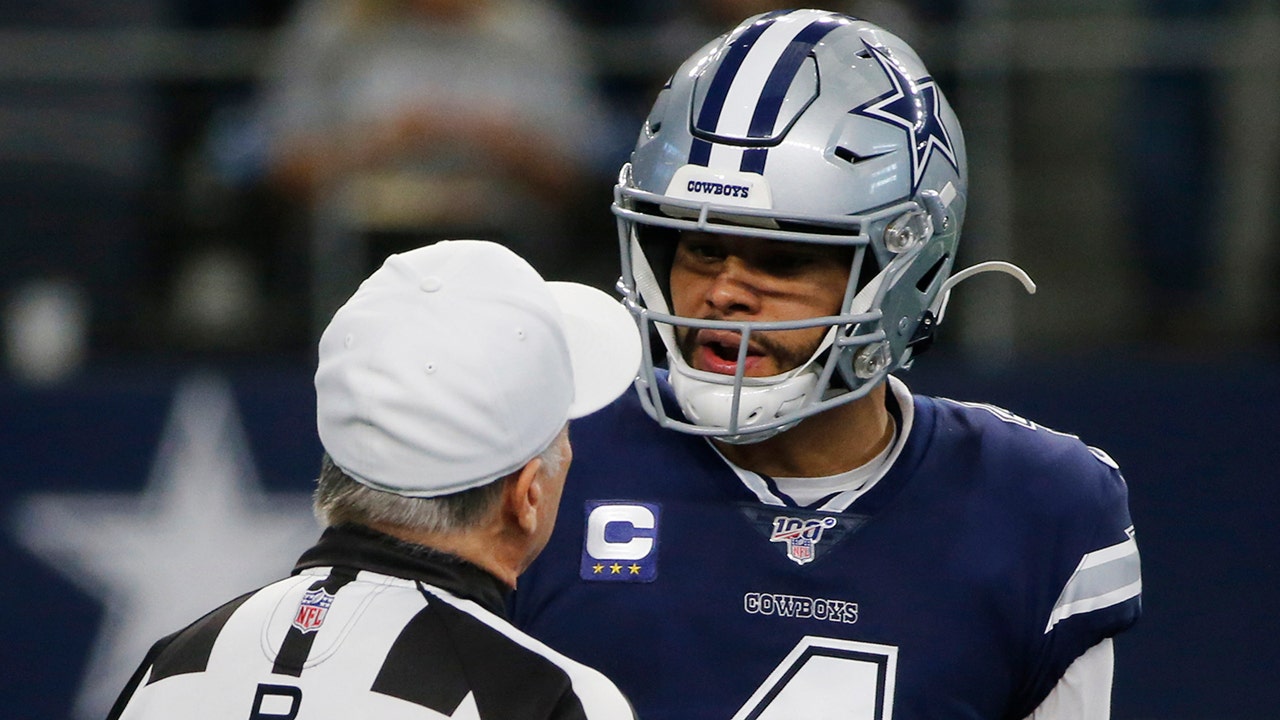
431	283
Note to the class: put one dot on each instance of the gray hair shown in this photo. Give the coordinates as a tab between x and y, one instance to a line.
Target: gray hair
340	499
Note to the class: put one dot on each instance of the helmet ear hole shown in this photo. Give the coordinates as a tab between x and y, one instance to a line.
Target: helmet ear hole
931	274
869	269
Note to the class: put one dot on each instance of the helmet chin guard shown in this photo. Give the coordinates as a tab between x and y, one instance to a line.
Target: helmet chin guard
800	126
746	408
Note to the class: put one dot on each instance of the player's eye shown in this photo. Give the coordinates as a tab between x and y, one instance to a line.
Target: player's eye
704	250
708	251
786	263
789	263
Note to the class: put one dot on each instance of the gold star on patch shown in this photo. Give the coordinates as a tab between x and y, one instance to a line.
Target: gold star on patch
635	569
597	568
615	569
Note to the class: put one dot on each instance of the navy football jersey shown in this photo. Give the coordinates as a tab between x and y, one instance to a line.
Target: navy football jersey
989	556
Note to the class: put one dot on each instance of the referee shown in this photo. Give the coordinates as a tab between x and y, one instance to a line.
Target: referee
444	389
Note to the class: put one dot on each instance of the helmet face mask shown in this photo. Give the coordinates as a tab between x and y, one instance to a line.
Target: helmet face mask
800	127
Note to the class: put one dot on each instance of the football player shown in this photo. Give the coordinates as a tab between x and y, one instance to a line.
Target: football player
774	526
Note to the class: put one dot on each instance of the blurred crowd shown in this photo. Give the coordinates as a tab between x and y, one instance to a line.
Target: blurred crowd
226	210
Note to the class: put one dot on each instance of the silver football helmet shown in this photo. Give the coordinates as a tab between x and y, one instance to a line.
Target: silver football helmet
802	126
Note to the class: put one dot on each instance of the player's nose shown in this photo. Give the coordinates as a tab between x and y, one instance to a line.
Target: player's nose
735	290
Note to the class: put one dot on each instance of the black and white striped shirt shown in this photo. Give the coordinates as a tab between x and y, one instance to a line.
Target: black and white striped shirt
365	627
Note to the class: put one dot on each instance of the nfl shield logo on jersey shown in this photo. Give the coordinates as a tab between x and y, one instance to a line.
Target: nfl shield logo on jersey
800	535
311	611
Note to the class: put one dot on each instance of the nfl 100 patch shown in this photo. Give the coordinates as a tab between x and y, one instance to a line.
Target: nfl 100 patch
621	541
311	611
802	535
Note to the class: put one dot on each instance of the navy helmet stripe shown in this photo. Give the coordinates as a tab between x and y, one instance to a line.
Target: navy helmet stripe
713	103
753	160
775	90
782	75
700	152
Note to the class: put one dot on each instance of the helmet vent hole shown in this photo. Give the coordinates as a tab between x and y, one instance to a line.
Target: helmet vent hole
927	279
853	158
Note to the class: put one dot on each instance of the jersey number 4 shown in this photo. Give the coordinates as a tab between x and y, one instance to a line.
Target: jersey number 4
820	674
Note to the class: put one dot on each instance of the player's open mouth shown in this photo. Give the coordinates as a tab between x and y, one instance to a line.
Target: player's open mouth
717	351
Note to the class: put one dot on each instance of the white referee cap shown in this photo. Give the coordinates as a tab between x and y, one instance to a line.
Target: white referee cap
455	364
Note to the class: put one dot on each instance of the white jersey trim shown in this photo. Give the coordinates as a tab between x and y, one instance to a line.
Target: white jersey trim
860	479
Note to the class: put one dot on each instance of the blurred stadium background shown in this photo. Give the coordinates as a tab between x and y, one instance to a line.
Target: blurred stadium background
161	288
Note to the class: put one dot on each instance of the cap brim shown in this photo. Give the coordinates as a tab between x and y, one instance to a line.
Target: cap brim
604	345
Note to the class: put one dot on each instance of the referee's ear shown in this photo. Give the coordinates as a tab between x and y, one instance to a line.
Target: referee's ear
525	496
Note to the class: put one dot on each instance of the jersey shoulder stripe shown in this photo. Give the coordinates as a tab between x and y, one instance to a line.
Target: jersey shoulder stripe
1104	578
596	694
187	651
404	672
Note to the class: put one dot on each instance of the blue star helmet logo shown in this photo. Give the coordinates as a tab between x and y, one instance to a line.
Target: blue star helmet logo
913	106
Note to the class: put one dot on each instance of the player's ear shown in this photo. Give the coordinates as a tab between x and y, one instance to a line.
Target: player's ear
524	495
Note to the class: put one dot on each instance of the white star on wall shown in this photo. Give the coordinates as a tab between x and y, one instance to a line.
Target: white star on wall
201	533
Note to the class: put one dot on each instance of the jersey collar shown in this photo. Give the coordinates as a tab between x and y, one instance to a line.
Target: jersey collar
365	549
900	404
